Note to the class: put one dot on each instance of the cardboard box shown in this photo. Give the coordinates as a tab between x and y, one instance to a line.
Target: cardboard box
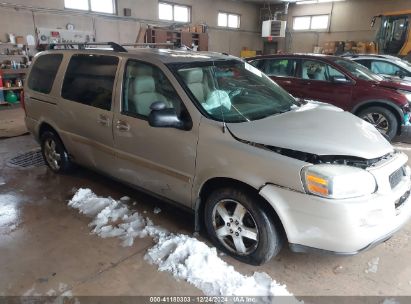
330	44
349	45
247	53
20	40
200	29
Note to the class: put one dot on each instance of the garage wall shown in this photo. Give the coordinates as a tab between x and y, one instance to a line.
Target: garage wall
350	20
21	17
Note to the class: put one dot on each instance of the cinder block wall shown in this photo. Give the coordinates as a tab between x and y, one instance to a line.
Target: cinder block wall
21	17
350	20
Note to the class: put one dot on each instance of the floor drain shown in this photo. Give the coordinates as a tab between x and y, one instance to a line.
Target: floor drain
27	160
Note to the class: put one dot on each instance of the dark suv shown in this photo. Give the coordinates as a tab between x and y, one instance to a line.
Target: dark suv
344	83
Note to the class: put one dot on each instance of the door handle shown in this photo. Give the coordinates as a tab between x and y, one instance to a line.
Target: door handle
103	120
122	126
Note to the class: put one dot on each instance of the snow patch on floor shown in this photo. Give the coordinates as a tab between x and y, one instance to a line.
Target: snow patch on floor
373	265
61	294
188	259
112	218
183	256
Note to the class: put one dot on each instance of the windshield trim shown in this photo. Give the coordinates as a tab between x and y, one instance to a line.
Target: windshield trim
174	67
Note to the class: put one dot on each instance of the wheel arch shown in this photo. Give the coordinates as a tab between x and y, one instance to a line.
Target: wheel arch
45	126
396	110
219	182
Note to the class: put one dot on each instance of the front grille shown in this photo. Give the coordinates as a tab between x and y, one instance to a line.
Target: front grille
395	178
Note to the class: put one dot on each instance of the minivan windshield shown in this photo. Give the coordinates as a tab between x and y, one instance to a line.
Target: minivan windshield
357	70
233	91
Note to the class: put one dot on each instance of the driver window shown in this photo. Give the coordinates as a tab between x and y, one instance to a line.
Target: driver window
317	70
386	68
314	70
332	73
143	85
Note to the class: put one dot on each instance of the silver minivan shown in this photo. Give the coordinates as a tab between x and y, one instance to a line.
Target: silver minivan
212	133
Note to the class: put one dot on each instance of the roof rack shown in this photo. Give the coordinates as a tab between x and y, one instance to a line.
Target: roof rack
148	44
116	47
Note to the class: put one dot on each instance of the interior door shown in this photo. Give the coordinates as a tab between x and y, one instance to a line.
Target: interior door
161	160
322	82
86	109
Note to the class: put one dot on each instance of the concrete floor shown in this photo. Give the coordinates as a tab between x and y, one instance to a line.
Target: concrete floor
12	121
45	245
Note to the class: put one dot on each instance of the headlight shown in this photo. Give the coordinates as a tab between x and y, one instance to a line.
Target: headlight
338	181
407	94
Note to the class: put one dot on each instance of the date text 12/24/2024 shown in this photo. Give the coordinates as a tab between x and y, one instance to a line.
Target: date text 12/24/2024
203	299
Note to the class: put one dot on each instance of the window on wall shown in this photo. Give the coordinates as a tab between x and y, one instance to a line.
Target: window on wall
98	6
174	12
228	20
307	23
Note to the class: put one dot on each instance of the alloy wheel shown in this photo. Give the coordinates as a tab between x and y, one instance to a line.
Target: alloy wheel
52	156
378	121
235	227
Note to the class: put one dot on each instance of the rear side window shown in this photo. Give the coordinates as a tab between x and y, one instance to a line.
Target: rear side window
44	72
366	63
259	64
90	79
280	67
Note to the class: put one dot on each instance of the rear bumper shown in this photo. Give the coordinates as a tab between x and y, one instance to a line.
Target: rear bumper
32	127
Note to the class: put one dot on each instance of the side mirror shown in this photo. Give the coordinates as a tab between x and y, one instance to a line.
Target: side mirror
157	106
400	74
339	79
163	117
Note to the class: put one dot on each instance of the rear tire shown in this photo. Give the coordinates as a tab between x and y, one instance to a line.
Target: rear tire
382	119
54	153
238	225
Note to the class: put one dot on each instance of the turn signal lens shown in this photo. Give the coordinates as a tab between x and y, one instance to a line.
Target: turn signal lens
317	185
337	181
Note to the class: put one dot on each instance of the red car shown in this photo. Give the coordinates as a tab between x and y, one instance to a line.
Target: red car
344	83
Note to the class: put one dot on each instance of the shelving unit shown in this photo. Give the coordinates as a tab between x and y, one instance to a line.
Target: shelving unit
11	89
155	35
9	74
12	75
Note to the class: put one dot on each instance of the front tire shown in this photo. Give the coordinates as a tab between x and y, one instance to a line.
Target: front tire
382	119
54	153
237	225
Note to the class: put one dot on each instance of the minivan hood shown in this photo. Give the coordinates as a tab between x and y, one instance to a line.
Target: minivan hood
315	128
